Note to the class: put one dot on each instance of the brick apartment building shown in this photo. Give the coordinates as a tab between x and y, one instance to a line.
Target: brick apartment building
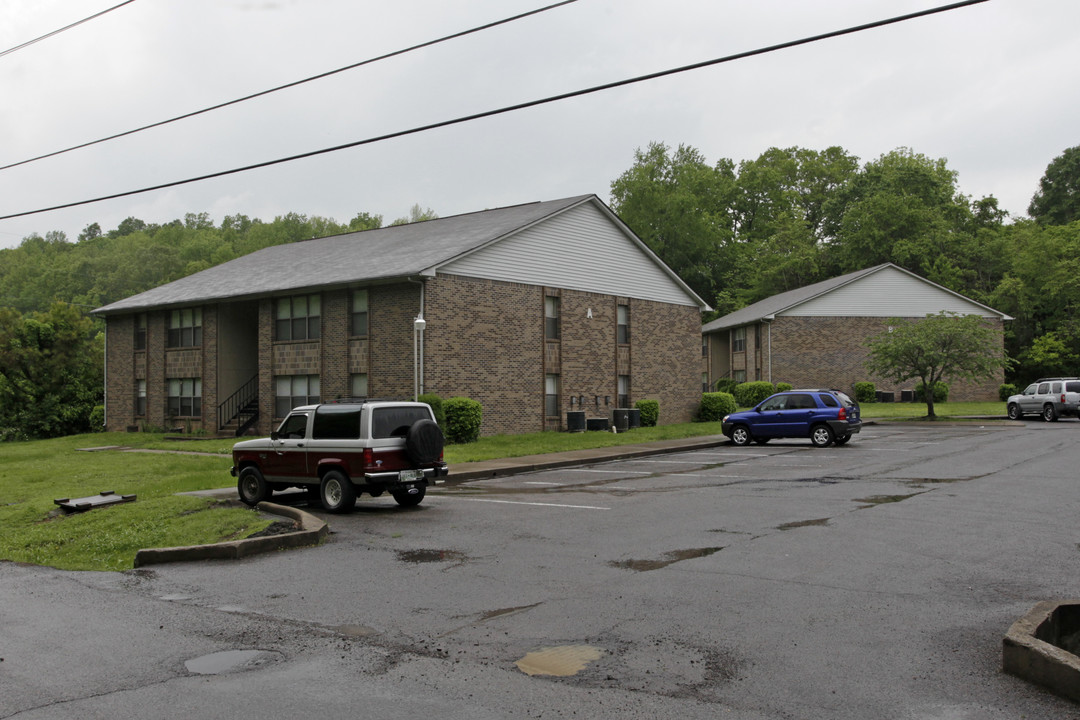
532	310
815	336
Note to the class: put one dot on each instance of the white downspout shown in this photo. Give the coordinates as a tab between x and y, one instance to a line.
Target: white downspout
418	345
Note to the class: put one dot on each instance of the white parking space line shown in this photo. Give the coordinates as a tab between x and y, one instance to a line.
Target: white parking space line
535	504
537	482
617	472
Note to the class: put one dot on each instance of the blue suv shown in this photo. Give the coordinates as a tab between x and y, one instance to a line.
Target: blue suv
824	416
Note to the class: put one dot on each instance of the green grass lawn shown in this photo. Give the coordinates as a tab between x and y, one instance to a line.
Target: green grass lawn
33	474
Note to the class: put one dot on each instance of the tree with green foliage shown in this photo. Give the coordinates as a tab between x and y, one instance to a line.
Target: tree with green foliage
50	372
939	346
1057	201
681	207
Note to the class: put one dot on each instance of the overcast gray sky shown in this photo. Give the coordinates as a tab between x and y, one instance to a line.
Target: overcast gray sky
993	88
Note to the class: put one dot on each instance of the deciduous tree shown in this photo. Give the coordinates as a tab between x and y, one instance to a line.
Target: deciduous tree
939	346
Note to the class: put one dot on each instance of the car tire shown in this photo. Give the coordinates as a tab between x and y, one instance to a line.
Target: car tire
252	486
1049	414
424	442
406	498
821	435
336	492
740	435
1013	411
842	440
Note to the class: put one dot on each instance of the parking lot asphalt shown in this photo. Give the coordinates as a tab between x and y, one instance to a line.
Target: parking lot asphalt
875	580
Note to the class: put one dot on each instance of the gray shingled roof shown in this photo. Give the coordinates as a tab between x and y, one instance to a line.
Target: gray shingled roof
360	257
770	306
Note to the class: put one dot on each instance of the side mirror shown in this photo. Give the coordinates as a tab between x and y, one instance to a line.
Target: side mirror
274	435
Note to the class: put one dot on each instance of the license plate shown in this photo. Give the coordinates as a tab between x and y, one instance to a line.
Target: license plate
410	475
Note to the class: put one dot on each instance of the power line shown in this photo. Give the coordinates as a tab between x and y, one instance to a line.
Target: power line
320	76
66	27
513	108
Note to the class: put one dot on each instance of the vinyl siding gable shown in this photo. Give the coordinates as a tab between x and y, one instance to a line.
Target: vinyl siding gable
580	249
887	293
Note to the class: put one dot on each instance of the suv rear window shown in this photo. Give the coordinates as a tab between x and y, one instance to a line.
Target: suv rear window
390	422
1072	387
337	423
829	400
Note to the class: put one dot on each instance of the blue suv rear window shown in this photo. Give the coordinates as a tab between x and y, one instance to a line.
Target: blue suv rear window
829	400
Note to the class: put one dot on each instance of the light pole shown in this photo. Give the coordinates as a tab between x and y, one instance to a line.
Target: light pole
418	355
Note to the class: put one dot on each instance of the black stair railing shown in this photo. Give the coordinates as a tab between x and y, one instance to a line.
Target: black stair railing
242	406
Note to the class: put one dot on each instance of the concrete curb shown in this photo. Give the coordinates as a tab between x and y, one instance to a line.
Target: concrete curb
312	531
1027	655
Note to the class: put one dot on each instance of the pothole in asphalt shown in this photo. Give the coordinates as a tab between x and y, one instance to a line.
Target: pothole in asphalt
803	523
230	661
431	556
669	557
562	661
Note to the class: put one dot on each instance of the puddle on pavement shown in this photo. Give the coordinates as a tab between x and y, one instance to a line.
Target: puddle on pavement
935	481
562	661
803	523
873	500
669	558
431	556
230	661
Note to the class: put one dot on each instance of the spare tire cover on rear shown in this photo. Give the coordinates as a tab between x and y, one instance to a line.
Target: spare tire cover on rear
424	442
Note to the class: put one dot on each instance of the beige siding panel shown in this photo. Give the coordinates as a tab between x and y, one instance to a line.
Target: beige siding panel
888	293
578	250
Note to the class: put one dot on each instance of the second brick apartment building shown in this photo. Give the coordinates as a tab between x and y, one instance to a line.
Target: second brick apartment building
532	310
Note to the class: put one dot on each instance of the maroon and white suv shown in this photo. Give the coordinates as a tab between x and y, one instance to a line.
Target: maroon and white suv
343	449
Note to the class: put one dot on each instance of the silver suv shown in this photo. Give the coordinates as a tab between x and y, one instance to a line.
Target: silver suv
1049	398
340	450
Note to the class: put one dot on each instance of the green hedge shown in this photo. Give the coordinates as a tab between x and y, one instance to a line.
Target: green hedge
463	418
749	394
941	392
725	385
1006	391
784	387
865	392
715	405
650	412
436	404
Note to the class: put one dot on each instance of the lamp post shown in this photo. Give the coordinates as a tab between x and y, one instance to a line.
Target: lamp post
418	355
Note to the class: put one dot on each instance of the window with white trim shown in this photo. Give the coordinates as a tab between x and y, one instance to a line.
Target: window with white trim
358	323
185	397
293	391
185	328
297	318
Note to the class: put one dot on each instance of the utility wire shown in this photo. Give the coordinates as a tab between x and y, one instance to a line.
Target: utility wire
66	27
320	76
512	108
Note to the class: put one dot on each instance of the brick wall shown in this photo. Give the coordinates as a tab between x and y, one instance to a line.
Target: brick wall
120	360
665	346
485	340
830	352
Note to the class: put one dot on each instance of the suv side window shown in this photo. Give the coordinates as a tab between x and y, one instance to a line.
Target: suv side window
829	400
1044	388
337	423
1030	389
1072	387
777	403
387	422
293	427
1055	388
801	401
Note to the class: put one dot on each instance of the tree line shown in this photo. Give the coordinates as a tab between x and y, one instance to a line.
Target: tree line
735	233
792	217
